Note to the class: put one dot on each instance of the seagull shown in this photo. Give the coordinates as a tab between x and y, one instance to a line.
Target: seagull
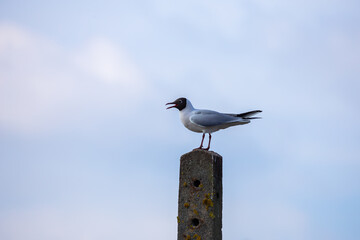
208	121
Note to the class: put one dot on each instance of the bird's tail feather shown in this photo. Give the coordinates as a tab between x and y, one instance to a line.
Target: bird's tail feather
251	118
247	115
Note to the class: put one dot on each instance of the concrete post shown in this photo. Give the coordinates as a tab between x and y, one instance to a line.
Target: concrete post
200	196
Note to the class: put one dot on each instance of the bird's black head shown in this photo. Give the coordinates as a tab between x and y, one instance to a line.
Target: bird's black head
179	103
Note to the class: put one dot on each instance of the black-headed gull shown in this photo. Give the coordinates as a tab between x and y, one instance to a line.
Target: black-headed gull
207	121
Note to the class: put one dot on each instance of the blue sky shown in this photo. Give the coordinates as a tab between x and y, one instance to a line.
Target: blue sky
88	151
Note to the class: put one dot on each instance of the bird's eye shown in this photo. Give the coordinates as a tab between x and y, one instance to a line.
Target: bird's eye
180	101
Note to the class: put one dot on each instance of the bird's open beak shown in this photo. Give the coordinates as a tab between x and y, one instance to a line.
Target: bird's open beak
172	105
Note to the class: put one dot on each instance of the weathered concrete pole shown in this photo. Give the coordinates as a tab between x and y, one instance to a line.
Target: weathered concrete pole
200	196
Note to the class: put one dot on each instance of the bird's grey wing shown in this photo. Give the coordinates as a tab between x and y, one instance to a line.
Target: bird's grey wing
207	118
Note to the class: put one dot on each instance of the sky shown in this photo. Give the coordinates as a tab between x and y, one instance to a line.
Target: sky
88	150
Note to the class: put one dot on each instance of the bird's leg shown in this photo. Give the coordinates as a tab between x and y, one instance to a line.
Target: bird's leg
202	141
209	142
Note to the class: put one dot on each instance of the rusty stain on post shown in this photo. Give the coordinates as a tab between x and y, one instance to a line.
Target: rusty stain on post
200	196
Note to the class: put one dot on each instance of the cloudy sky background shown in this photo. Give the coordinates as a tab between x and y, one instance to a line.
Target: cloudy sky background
88	151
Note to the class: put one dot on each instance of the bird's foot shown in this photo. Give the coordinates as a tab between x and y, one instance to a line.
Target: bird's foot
201	148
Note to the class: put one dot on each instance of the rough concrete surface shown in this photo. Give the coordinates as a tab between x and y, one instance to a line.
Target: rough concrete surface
200	196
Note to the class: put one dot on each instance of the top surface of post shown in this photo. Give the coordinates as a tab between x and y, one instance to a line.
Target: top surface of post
200	196
201	152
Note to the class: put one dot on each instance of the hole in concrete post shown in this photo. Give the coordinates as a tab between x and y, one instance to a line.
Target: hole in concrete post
197	183
195	222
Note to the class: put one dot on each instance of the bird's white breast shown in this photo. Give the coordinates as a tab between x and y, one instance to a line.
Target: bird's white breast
185	119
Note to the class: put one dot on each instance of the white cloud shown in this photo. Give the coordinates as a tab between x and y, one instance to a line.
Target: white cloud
104	60
297	7
269	221
226	18
42	83
84	224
